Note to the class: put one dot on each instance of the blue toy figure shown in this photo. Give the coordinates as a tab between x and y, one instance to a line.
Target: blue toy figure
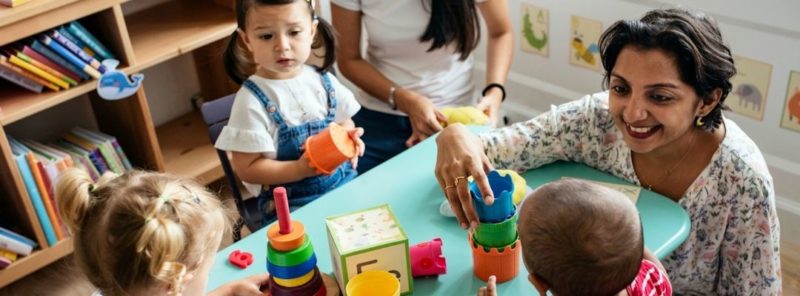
114	84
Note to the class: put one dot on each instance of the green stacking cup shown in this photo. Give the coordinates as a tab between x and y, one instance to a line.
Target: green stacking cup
495	235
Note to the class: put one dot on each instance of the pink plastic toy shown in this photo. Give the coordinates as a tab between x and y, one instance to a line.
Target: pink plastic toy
427	258
240	259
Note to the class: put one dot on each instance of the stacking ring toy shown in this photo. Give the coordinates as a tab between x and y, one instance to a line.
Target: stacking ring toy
311	287
287	242
293	257
290	272
291	283
496	235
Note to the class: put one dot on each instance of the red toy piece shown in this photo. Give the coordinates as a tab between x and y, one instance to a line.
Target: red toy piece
282	207
427	258
240	259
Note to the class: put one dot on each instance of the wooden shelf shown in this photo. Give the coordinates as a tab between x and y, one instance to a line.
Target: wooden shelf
187	150
43	15
176	27
35	261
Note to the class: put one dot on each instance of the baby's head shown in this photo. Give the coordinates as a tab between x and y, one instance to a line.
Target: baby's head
580	238
141	232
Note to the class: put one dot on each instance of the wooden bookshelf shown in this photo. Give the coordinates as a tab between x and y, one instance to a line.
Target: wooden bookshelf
39	20
174	28
140	40
36	260
187	149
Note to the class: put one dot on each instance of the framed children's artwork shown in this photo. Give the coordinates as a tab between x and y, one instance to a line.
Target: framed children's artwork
535	30
583	44
750	85
791	111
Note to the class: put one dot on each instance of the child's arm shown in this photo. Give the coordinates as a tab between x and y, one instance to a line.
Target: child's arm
251	285
257	169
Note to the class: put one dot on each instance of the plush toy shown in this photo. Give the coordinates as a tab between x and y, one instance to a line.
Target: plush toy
467	115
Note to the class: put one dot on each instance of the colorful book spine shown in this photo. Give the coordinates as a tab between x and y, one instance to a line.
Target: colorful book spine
8	255
94	153
84	35
76	61
38	176
126	163
17	237
36	199
4	262
41	73
4	61
44	60
77	51
11	75
46	68
13	243
63	31
43	50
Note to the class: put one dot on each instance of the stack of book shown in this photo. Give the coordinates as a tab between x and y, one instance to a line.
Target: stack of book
41	164
12	246
57	59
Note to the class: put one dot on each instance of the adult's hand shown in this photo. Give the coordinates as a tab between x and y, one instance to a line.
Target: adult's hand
421	112
460	155
490	105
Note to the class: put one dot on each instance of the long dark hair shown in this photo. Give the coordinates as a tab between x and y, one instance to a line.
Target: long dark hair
704	60
453	21
238	60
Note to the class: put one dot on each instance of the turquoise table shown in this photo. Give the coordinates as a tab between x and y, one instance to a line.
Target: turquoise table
408	185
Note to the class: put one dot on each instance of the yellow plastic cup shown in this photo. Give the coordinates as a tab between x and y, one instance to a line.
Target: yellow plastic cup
373	283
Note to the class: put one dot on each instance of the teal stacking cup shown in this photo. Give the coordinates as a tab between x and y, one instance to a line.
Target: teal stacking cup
503	206
497	235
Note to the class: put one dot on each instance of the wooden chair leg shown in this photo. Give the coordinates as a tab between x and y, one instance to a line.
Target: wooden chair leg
237	229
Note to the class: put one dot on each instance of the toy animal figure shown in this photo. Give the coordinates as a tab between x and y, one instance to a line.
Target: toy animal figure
583	52
530	37
115	85
794	106
749	94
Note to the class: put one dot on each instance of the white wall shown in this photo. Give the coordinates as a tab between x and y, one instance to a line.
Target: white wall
767	31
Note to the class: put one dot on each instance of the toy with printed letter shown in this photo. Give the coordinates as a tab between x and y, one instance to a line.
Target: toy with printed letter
495	242
240	259
369	239
291	261
467	115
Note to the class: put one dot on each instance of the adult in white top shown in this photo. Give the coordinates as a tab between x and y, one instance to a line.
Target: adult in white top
418	59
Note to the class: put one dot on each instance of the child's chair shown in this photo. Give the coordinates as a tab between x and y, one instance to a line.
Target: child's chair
216	114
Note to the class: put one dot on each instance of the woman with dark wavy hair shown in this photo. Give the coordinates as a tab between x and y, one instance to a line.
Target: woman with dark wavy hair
418	59
660	125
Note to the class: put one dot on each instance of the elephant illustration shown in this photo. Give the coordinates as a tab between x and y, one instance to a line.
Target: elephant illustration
749	94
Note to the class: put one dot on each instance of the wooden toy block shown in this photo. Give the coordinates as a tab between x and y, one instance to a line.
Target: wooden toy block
369	239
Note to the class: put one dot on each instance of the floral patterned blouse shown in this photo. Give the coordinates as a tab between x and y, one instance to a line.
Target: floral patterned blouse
733	247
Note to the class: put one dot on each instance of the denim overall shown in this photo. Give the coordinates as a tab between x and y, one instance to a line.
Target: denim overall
289	141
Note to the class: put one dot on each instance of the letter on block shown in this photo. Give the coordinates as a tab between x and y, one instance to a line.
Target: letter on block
366	240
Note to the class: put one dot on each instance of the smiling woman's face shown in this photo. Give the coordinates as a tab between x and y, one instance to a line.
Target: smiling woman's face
648	101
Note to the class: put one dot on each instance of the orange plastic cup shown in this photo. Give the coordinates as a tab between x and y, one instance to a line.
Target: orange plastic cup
503	262
330	148
373	283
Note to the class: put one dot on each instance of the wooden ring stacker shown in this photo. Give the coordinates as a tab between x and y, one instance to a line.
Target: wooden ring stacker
291	283
287	235
309	288
293	257
292	271
287	242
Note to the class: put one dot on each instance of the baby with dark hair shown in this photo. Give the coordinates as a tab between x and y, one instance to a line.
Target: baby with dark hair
581	238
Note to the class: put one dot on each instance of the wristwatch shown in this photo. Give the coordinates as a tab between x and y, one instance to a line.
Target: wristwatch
390	99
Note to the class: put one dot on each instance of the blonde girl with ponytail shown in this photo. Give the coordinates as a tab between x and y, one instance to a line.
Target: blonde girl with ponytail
145	233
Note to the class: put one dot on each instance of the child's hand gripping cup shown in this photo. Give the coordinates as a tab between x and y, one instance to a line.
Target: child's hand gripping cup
495	243
328	149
